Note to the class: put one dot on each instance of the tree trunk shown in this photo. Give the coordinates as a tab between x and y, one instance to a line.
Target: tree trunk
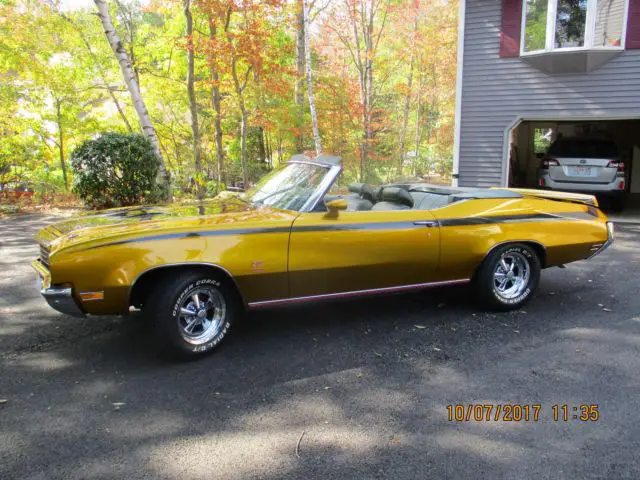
243	146
312	101
63	165
268	147
193	106
239	88
300	71
216	103
132	85
407	102
279	149
418	136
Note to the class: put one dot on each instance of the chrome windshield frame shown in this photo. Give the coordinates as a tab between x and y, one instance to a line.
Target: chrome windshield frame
333	171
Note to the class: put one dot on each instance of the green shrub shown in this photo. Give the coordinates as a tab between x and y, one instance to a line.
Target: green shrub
116	170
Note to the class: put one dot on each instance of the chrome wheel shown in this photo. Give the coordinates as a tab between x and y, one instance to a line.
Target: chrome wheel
202	315
511	275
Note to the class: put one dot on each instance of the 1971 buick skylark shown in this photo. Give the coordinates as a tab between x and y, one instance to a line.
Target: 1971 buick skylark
194	268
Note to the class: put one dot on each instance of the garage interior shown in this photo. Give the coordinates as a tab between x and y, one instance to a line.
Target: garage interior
530	140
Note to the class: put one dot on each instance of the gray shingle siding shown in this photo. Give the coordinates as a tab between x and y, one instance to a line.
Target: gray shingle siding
496	91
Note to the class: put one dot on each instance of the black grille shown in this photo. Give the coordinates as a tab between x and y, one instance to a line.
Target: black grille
44	256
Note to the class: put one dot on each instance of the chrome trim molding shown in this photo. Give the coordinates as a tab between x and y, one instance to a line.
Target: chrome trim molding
322	189
61	299
598	249
357	293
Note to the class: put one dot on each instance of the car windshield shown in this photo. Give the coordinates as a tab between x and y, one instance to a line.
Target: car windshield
574	148
289	187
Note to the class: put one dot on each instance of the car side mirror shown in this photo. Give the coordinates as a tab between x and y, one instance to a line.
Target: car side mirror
336	205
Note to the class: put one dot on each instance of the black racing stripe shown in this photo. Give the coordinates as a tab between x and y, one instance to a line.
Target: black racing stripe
403	225
534	217
357	226
208	233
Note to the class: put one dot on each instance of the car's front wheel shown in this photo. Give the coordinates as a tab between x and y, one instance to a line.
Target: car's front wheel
508	277
191	312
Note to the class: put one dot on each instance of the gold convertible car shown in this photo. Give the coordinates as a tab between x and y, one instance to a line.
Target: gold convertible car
194	268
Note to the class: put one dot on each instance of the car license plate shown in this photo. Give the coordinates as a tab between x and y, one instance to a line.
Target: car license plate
580	171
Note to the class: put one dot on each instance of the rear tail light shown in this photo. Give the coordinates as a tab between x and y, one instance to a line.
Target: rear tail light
541	182
549	162
616	164
621	185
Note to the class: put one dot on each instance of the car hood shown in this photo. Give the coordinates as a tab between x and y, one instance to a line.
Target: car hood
91	229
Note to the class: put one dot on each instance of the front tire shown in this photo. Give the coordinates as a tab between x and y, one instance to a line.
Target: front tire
508	277
192	313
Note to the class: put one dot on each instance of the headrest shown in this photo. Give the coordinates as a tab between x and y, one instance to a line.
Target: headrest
397	195
355	187
366	191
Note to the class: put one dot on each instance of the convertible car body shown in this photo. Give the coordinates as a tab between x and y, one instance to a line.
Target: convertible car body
194	267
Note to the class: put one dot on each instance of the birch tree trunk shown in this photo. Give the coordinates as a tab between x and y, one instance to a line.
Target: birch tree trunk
243	146
216	103
193	106
407	102
312	101
132	85
63	165
239	87
418	135
300	71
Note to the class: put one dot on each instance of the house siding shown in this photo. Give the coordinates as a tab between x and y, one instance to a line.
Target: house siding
497	91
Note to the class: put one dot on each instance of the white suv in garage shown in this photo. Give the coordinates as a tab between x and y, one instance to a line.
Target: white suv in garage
584	165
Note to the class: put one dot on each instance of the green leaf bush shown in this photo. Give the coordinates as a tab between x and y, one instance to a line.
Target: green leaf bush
116	170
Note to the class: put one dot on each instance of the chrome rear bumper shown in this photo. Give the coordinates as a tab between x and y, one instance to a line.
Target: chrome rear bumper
596	249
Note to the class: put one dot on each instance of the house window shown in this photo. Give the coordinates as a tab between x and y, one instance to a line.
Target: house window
566	25
609	27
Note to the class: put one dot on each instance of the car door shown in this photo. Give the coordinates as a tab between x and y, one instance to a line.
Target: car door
361	250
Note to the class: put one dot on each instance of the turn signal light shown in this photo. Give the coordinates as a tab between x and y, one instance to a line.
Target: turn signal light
89	296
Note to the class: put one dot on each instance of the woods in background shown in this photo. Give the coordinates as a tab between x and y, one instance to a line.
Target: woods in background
228	89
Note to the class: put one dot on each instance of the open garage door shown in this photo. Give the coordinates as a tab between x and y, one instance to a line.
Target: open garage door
599	157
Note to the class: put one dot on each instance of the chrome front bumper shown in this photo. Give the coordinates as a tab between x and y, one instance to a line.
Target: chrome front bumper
596	249
60	299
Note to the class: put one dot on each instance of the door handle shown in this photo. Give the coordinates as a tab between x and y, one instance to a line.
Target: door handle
426	223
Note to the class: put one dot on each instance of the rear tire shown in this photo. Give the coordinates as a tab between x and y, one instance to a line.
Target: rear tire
191	313
508	277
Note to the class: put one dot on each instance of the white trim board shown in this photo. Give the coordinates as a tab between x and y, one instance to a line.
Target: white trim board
458	115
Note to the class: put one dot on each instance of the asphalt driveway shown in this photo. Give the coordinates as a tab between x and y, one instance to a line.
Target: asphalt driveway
342	390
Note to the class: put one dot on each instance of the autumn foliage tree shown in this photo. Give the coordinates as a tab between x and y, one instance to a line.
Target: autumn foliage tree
226	85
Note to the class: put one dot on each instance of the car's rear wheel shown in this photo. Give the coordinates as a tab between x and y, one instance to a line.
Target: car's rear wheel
192	312
508	277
